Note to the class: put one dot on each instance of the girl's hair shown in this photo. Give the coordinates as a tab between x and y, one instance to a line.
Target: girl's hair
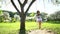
38	11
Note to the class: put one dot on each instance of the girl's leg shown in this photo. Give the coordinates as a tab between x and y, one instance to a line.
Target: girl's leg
39	25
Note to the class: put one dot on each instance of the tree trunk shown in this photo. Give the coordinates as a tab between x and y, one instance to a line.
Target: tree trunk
22	25
22	14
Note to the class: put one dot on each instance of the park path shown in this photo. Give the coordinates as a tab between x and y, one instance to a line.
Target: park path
41	32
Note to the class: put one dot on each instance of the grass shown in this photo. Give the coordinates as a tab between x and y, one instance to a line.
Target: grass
12	28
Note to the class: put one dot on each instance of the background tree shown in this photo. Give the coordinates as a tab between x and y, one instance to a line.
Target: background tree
32	14
1	12
16	17
22	13
55	2
1	16
55	16
6	17
44	16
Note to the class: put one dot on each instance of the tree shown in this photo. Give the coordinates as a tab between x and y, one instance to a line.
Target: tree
1	16
1	12
55	2
44	16
6	16
55	16
22	13
16	17
32	14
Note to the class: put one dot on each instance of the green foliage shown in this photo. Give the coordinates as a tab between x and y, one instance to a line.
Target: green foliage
1	12
11	14
1	19
7	16
13	20
32	14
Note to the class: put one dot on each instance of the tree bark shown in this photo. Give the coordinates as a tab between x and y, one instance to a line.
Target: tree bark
22	24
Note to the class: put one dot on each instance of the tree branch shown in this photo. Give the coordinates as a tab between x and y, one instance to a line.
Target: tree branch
22	5
19	2
25	3
15	6
30	5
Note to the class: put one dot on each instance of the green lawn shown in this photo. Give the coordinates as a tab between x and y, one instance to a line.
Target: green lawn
13	28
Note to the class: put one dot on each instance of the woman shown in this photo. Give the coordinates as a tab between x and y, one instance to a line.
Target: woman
38	19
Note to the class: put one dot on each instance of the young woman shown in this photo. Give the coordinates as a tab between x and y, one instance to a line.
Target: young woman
38	19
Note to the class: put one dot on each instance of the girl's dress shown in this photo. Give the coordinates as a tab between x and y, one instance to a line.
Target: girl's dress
38	18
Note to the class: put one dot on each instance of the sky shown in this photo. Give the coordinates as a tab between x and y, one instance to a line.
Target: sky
45	6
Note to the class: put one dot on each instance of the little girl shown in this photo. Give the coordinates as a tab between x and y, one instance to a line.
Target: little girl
38	18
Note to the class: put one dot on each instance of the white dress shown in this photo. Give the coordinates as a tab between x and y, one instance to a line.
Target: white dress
38	18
